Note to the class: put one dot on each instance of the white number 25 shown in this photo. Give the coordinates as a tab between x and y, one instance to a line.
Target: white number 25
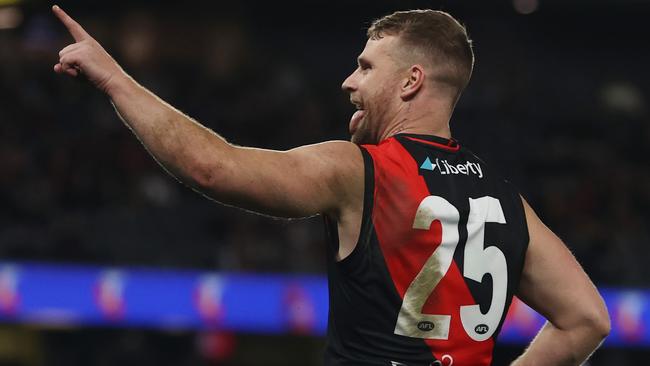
478	261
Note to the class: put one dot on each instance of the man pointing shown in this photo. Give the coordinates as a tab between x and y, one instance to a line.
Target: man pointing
423	262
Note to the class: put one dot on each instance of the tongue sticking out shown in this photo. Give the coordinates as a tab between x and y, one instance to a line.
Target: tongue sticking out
355	120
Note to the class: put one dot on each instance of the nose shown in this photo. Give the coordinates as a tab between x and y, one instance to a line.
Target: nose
348	84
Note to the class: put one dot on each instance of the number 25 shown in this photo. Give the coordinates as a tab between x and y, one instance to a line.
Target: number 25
478	261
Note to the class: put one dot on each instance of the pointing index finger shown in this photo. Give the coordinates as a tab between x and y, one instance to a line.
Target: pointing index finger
77	32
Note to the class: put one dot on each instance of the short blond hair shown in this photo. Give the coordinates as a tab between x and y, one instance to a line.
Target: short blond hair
438	36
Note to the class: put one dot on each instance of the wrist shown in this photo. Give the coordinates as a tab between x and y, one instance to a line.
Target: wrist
119	84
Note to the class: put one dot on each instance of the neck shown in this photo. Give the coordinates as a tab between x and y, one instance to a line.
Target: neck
410	118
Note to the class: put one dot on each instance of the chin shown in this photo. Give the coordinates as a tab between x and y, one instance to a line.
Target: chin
361	137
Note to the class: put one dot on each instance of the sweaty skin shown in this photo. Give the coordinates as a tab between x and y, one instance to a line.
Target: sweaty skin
328	178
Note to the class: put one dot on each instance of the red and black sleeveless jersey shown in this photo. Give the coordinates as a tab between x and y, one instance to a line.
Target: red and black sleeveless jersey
440	253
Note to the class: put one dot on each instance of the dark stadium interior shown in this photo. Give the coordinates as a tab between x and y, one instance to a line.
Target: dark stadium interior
558	103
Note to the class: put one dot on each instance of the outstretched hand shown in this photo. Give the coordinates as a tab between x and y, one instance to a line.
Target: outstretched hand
86	56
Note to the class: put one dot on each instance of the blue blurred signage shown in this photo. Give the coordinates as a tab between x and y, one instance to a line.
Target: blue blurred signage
254	303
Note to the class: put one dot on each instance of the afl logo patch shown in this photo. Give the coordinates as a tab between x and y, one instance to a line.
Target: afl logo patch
481	329
425	326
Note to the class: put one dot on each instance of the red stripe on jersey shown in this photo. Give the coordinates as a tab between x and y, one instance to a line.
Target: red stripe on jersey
399	189
451	146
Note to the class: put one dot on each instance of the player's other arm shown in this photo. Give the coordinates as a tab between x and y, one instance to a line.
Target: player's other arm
554	284
322	178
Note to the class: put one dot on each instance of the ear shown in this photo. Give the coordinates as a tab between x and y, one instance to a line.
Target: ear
413	82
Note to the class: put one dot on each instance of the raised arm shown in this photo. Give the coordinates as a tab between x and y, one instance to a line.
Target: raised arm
322	178
554	284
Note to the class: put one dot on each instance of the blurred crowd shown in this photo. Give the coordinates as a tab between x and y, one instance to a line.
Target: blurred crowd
561	111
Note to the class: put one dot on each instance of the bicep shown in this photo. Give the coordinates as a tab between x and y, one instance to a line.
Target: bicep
553	283
301	182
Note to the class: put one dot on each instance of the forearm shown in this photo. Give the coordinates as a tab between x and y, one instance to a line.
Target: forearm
296	183
554	346
186	149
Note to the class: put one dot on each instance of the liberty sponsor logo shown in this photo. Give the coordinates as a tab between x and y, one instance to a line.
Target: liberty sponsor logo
445	168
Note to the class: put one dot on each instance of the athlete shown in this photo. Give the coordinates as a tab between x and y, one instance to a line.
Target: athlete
428	244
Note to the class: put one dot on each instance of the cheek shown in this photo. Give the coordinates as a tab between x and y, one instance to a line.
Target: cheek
380	99
371	81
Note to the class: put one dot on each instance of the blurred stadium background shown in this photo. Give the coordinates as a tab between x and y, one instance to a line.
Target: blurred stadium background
106	260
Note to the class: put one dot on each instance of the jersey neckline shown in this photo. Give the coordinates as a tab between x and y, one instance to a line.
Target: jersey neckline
440	142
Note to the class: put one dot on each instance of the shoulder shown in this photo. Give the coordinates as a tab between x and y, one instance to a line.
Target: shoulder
333	156
336	166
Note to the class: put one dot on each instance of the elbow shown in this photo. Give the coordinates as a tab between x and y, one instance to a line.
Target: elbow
599	321
215	179
209	169
202	177
207	177
604	326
